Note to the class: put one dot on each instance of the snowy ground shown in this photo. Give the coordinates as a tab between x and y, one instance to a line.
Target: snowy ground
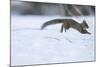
30	45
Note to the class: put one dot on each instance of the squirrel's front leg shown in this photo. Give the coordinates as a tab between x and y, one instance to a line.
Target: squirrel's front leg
62	28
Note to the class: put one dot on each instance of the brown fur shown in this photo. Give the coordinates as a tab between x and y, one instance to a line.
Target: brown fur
69	23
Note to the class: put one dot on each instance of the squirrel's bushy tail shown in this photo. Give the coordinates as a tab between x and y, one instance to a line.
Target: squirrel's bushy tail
51	22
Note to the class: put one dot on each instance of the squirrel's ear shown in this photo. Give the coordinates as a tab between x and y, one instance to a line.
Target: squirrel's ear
84	21
85	24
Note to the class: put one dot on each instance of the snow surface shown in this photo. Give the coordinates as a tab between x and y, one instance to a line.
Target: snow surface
30	45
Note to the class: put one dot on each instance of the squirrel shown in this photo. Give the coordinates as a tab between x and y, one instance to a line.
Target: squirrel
68	23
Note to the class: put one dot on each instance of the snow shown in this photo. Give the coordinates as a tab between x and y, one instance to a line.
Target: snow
30	45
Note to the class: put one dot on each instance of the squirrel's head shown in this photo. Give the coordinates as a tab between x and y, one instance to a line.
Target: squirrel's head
84	24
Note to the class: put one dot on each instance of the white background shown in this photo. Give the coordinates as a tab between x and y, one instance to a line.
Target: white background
5	34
